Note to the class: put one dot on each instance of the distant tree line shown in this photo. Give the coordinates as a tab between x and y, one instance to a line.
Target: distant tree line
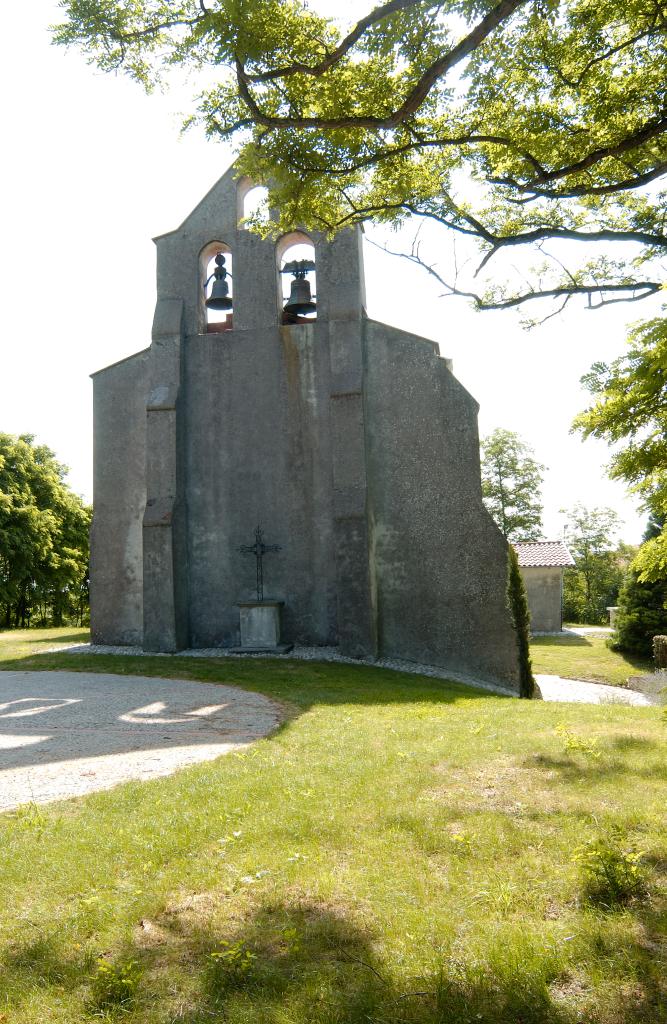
512	485
511	489
593	584
44	544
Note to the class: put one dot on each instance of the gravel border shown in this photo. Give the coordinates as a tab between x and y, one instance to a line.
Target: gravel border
328	654
556	689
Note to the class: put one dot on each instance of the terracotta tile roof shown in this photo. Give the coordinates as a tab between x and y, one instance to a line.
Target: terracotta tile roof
543	553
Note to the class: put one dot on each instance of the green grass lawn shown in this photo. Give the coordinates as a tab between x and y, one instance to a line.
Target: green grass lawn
400	851
585	657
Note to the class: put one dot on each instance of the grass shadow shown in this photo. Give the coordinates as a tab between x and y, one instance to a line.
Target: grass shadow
43	962
294	686
299	962
633	743
574	768
560	641
80	637
316	964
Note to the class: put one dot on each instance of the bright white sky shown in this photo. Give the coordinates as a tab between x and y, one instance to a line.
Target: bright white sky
93	169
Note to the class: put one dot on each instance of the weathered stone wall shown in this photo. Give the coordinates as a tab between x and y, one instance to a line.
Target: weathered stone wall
258	452
119	497
544	587
440	563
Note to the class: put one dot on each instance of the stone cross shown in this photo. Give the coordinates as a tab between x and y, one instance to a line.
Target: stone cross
259	549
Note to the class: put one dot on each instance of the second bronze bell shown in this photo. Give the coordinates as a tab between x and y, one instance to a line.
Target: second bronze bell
219	297
300	300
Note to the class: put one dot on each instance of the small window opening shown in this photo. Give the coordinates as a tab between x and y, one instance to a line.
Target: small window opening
255	205
299	283
218	291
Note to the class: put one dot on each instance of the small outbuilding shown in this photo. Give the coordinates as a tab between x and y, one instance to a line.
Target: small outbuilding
542	563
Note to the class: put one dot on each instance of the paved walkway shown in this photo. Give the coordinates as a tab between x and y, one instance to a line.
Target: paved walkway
578	691
64	734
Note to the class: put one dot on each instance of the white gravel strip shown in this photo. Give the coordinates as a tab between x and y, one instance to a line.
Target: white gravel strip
64	734
553	688
578	691
301	654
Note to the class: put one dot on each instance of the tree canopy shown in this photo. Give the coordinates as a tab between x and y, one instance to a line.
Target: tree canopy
593	583
511	485
43	536
514	123
629	409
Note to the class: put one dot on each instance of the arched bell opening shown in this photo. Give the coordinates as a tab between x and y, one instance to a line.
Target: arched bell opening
253	202
216	291
298	278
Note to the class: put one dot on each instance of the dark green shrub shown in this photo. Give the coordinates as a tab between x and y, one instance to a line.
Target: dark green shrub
586	596
518	606
642	614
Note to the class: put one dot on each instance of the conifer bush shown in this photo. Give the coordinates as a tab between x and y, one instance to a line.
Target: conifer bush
517	601
642	614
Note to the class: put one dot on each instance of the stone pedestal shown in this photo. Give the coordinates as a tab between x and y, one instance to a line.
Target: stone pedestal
260	628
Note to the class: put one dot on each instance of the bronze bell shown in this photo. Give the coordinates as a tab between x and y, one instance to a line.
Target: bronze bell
300	300
219	297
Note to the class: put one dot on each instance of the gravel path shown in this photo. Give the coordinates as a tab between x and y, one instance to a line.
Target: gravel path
64	734
577	691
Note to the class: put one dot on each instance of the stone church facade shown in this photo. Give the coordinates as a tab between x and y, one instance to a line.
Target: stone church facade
351	443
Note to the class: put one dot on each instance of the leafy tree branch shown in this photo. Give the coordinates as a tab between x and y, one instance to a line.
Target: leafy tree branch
512	122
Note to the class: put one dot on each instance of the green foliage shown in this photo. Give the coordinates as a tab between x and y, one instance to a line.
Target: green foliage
43	537
518	605
553	112
115	984
30	817
654	527
593	583
660	651
573	744
511	482
630	408
612	872
642	614
231	964
651	560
